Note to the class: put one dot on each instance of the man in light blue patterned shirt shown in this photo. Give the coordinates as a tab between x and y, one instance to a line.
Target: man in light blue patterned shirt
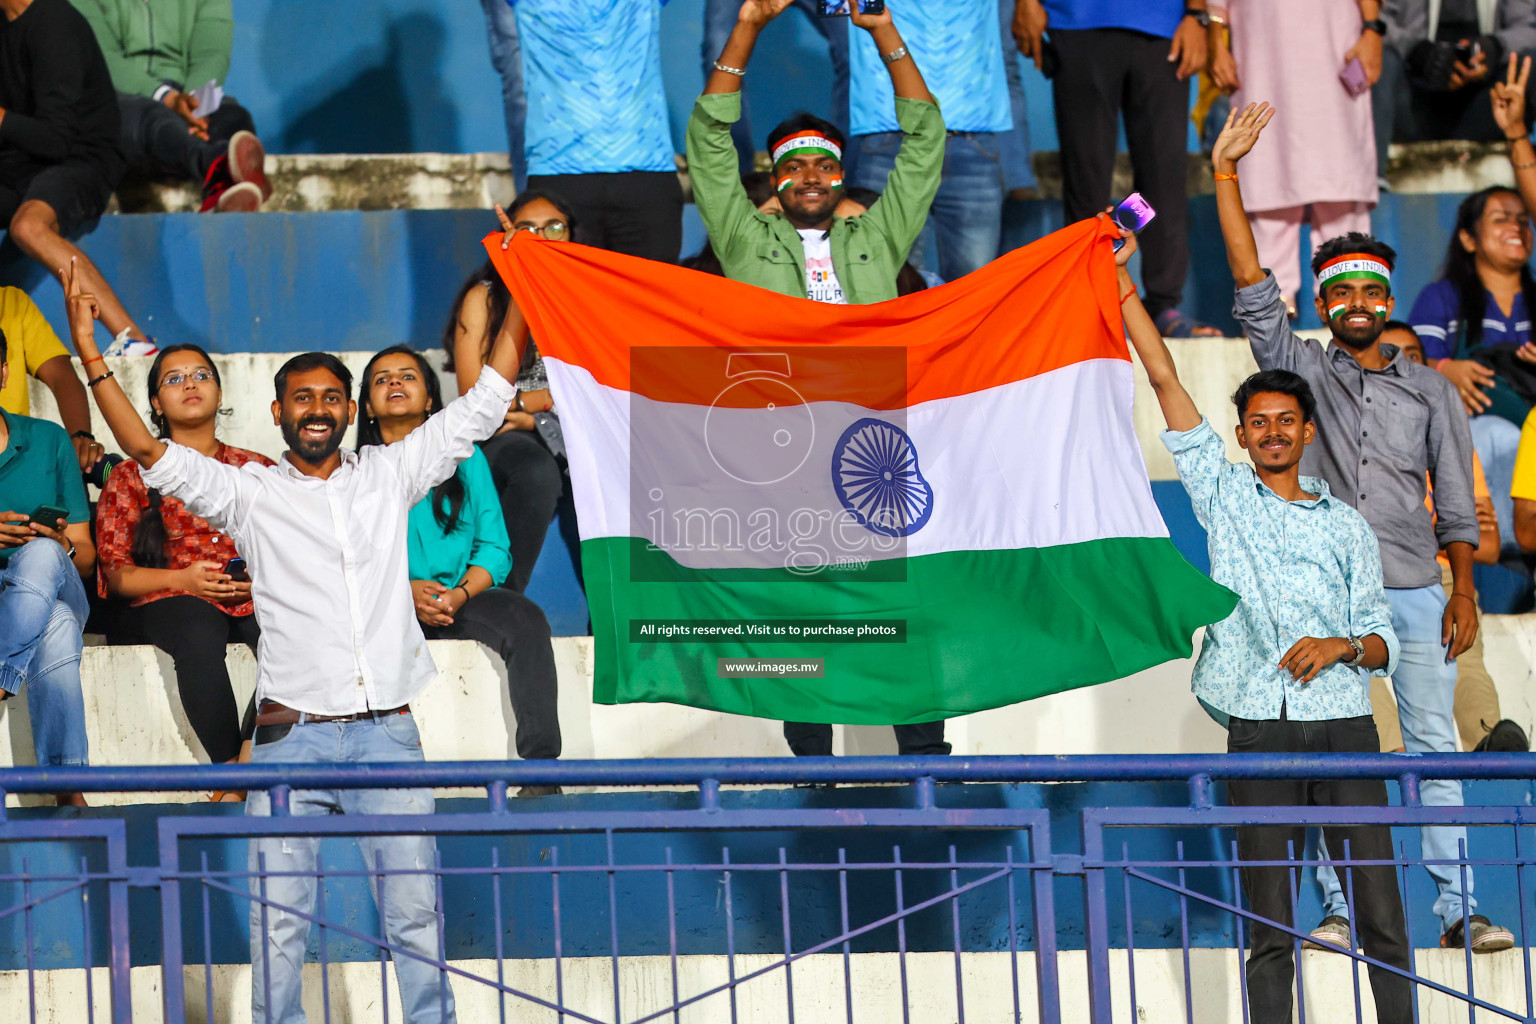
597	132
1290	667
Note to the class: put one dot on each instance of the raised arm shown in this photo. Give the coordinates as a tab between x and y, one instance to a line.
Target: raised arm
1236	139
1508	98
1179	409
754	14
133	437
906	79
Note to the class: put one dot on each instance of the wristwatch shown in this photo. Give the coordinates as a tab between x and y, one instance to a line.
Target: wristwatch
1359	647
1376	25
1200	15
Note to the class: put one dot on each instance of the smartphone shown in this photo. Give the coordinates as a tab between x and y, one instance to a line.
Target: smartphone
1353	77
49	515
843	8
235	570
1133	214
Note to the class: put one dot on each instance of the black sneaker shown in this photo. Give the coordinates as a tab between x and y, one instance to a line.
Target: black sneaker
1505	737
532	791
1487	937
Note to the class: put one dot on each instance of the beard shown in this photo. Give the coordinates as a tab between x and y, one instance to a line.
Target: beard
312	451
1357	338
802	213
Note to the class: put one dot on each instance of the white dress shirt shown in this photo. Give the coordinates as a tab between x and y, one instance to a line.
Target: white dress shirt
327	558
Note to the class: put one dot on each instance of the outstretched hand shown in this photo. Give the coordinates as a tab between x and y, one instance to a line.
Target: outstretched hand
1127	236
1508	97
1238	136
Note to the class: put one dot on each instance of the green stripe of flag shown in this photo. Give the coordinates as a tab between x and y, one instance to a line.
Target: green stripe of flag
984	628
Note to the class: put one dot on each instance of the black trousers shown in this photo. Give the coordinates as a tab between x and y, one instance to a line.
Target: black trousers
1377	909
1104	72
635	212
194	633
532	484
514	627
156	141
814	739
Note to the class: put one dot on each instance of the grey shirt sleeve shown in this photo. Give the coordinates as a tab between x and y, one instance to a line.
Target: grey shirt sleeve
1261	311
1515	25
1450	463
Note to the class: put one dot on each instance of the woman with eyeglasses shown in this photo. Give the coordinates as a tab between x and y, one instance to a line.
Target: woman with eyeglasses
170	564
527	455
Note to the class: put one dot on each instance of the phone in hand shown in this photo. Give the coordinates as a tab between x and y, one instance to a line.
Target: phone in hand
1133	214
49	515
235	570
1354	78
844	8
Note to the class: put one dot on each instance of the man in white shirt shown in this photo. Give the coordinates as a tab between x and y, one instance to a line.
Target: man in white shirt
324	537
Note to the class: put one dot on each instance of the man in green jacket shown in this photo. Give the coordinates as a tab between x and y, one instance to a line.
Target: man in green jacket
159	53
808	251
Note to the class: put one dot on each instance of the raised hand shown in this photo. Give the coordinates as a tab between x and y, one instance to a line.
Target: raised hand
1508	97
507	230
868	22
1239	135
761	12
83	308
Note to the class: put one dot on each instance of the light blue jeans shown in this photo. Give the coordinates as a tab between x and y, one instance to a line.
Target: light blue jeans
1425	686
1018	168
507	59
42	621
966	218
720	19
409	901
1496	440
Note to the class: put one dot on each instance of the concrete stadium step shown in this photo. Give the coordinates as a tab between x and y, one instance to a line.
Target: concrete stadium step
134	715
473	181
645	986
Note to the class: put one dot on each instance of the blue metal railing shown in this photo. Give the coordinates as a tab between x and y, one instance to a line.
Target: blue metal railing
793	877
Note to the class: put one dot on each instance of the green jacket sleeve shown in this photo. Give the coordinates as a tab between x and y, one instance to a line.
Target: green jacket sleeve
902	209
106	21
712	168
492	551
213	34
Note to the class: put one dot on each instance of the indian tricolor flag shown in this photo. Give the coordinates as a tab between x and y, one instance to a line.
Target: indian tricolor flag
861	514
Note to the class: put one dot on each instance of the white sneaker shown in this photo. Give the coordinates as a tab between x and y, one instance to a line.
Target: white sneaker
122	345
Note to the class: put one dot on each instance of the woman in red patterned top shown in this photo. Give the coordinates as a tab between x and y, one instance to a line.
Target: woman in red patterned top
169	564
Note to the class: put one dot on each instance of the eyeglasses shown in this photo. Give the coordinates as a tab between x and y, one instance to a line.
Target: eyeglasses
171	380
554	231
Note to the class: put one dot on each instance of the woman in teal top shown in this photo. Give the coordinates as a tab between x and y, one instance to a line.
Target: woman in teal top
459	555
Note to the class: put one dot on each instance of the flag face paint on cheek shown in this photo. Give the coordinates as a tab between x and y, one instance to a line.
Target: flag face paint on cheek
1337	310
835	183
784	183
1381	309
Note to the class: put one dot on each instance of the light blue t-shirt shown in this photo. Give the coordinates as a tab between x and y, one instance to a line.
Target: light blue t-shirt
1154	17
592	72
958	47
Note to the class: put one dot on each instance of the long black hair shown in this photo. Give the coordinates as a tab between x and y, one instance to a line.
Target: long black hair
497	298
448	496
148	549
1461	267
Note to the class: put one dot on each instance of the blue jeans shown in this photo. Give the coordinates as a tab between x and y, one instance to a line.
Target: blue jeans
966	218
507	59
1496	440
720	19
409	901
42	618
1425	686
1018	171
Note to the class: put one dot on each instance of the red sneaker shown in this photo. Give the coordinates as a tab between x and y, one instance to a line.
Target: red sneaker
248	162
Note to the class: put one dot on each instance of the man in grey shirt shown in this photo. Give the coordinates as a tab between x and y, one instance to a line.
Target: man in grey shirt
1385	426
